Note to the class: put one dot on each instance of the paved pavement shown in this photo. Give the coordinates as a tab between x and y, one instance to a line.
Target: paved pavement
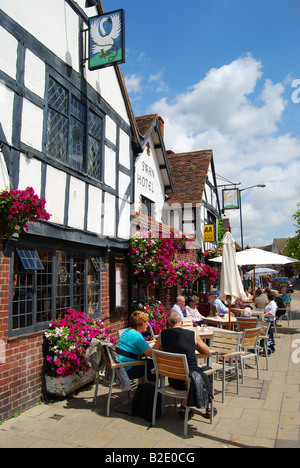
265	413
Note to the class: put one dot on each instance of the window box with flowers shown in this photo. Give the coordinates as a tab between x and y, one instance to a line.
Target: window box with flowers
66	342
17	207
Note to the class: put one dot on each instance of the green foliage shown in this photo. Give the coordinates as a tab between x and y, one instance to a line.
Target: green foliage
293	245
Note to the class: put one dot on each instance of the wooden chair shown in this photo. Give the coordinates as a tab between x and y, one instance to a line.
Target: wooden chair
187	322
213	311
173	366
246	322
116	374
249	348
226	346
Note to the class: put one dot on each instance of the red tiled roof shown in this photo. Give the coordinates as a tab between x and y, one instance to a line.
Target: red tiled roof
189	173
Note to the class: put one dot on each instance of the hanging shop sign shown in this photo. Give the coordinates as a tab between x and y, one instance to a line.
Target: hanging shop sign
106	40
231	199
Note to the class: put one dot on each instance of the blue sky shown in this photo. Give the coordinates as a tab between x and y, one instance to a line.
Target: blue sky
223	76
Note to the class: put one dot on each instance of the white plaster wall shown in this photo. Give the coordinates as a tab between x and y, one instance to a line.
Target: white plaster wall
110	167
124	156
124	225
53	23
32	125
30	174
109	215
94	209
8	52
105	82
111	130
124	183
4	178
55	194
34	78
76	203
6	110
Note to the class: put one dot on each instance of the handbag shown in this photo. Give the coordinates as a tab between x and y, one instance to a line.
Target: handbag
142	403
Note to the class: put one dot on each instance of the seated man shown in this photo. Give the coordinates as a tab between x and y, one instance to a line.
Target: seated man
280	305
286	298
182	341
221	308
192	311
179	306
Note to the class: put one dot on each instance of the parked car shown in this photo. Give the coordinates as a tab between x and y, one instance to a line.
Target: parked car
281	282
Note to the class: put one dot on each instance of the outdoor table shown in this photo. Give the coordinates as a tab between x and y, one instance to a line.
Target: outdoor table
220	321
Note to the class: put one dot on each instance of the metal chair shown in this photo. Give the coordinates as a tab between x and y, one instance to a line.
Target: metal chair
286	313
264	337
249	348
173	366
115	373
226	346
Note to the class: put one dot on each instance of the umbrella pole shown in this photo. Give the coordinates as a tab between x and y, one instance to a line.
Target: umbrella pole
229	312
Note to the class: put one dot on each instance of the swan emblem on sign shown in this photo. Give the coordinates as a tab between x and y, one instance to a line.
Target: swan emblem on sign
104	41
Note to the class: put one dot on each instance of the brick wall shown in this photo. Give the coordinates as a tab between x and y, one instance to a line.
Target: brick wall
21	358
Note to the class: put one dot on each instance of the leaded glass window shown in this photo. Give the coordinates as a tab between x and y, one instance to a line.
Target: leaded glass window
74	131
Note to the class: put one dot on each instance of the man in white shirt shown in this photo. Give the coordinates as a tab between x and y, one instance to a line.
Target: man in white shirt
192	312
179	306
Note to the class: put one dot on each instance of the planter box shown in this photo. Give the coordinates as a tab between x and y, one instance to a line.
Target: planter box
65	385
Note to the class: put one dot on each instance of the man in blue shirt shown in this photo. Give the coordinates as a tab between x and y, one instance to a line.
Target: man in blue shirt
179	306
221	308
285	297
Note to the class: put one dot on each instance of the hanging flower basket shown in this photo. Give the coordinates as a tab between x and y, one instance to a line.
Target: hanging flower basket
153	257
17	207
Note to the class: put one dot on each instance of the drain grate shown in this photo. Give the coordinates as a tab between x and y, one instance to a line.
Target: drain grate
56	416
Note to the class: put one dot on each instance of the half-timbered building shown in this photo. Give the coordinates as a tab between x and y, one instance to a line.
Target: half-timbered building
69	133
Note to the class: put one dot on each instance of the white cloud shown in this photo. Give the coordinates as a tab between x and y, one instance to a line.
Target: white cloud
237	114
133	83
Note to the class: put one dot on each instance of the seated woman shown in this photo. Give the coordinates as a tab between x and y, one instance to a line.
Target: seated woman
247	297
191	311
132	344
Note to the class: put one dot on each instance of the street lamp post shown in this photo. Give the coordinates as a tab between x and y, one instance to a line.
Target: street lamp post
240	203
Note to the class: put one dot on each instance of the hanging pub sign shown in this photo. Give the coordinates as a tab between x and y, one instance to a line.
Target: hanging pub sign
209	234
106	40
231	199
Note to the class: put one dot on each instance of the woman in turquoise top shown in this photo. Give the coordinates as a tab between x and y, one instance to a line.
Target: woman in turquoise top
132	344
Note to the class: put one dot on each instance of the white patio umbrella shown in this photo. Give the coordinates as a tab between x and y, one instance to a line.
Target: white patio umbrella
256	256
231	284
262	272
